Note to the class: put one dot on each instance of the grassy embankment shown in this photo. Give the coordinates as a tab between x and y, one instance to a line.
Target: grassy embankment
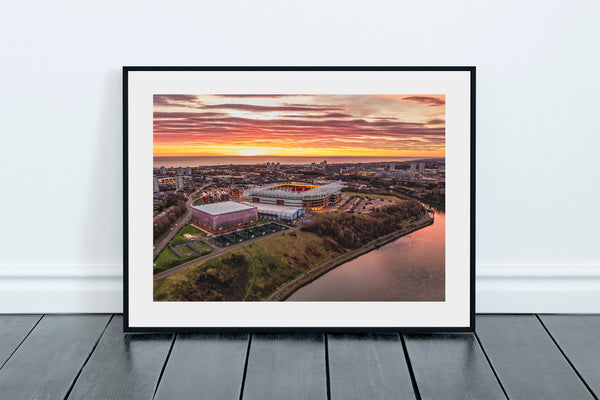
167	259
253	272
250	272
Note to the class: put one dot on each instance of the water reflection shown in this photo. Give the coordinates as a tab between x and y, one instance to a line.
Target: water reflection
411	268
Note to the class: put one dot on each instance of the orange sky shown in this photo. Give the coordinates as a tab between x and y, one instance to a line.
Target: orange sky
299	125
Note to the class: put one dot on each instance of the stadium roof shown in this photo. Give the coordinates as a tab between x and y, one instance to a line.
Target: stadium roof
275	190
224	207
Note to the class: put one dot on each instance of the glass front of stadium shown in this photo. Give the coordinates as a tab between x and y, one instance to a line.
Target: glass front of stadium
312	198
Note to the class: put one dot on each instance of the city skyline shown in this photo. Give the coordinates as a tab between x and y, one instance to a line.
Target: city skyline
299	125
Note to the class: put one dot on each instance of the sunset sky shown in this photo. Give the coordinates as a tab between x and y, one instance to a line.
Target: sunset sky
299	125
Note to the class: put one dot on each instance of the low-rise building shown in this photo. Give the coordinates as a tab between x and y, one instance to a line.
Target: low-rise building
223	217
272	211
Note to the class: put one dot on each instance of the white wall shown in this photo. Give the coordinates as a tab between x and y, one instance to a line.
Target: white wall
537	137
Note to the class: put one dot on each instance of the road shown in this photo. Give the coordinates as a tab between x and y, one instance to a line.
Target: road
217	252
348	206
181	221
184	219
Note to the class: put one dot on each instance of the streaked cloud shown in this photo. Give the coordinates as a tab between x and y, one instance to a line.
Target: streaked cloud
436	122
393	125
430	101
251	107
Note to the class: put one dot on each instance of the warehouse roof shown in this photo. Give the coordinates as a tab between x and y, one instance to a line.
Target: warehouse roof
282	212
274	208
224	207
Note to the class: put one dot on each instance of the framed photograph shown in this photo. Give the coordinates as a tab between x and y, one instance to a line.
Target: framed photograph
331	199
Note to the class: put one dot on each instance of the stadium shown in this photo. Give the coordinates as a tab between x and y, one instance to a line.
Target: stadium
298	195
223	217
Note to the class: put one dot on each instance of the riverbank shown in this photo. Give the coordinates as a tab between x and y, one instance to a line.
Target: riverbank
249	272
287	290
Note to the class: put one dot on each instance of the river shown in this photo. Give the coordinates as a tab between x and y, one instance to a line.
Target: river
411	268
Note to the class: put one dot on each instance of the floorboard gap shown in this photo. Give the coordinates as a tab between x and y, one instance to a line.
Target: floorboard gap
162	371
21	342
490	364
327	376
246	366
566	358
87	358
410	369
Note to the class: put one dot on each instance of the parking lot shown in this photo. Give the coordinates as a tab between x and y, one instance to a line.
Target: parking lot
243	235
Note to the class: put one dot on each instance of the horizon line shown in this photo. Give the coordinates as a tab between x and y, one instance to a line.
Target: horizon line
307	156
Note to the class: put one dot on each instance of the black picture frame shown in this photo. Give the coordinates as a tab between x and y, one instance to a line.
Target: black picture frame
127	148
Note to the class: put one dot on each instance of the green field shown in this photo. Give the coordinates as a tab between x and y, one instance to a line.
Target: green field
375	196
185	251
199	202
167	259
179	239
249	273
201	247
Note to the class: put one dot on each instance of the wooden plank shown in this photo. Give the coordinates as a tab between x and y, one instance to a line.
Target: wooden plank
451	366
578	336
526	360
282	366
123	366
46	364
13	329
368	367
204	367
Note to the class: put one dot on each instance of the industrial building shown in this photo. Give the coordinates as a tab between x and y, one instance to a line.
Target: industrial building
223	217
272	211
298	195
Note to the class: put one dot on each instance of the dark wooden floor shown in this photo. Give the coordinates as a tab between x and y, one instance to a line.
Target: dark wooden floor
510	356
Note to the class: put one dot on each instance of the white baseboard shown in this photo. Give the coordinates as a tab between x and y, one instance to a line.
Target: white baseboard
518	290
49	289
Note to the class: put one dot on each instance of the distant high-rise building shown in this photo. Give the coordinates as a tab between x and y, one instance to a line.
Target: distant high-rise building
180	171
442	168
188	171
155	184
422	168
323	164
163	171
392	166
179	182
413	167
278	167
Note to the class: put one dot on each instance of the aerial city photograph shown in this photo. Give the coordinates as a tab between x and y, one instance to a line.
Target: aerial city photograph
299	197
